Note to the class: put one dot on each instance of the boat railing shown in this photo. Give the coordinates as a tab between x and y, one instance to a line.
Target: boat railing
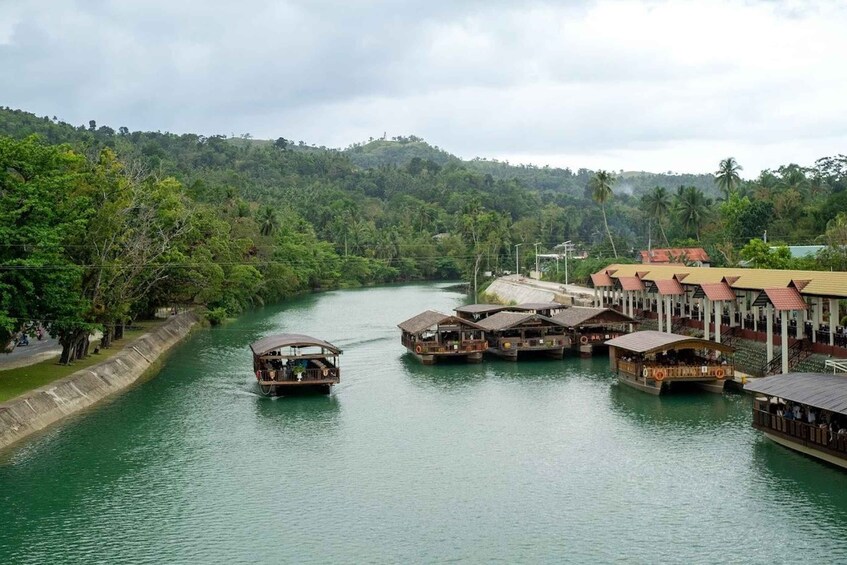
289	376
545	342
814	434
592	336
453	346
692	372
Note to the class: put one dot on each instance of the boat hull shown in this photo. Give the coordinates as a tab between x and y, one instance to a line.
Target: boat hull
796	446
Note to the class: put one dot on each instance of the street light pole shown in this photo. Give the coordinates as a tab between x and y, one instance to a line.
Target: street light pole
537	274
517	263
568	246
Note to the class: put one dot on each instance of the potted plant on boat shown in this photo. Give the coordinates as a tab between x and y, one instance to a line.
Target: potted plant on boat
298	371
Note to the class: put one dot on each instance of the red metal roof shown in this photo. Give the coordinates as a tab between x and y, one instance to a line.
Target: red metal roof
601	279
669	287
785	299
675	255
631	283
717	292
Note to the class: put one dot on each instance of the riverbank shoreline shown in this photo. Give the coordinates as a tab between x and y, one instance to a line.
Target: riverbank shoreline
37	409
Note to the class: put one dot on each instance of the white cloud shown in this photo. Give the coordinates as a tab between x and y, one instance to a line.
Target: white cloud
656	85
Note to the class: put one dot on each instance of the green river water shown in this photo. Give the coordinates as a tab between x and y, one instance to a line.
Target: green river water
536	461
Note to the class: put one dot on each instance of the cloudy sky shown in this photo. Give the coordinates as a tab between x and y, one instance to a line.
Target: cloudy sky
652	85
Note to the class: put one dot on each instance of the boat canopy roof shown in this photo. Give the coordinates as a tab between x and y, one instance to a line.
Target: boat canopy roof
582	315
480	308
537	306
274	342
430	318
820	390
506	320
651	341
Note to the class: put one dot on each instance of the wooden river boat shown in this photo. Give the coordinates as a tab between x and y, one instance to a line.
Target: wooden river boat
652	361
806	412
289	362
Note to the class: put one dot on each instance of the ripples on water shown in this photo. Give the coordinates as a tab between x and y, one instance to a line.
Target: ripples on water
498	462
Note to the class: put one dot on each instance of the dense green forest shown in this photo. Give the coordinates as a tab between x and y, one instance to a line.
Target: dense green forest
101	225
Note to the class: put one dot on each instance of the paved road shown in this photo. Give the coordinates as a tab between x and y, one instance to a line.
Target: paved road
35	352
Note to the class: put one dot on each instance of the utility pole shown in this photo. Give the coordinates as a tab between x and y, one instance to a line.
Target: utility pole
568	247
537	243
517	263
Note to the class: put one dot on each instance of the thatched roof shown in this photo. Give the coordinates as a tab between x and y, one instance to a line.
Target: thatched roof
505	320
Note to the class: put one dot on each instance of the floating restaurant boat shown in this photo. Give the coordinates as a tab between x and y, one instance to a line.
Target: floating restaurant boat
652	361
288	362
510	333
591	328
432	335
782	408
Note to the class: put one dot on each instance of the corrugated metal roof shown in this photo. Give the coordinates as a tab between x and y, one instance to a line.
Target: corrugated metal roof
480	308
536	306
505	320
821	283
718	292
652	341
273	342
579	315
827	392
431	318
631	283
601	279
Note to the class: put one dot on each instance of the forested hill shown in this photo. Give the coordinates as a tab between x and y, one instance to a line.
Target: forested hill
401	151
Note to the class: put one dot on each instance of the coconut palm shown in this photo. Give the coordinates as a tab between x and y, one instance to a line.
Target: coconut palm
268	221
657	203
692	208
727	176
601	190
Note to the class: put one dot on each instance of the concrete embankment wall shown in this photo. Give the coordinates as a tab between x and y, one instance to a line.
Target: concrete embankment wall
37	409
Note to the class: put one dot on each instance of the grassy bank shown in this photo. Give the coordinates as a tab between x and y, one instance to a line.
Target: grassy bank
14	382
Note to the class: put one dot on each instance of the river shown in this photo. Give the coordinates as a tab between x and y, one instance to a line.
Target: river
536	461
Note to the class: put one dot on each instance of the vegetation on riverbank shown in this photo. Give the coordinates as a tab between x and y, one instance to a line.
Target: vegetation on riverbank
102	225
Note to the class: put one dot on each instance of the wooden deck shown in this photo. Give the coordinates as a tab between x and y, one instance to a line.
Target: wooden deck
810	439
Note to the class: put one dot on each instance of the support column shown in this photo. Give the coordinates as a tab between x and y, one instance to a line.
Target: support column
756	313
769	318
707	317
801	324
596	300
718	315
602	292
732	314
816	306
784	340
833	319
659	311
668	313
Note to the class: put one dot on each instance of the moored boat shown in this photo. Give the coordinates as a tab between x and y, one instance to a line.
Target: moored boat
806	412
288	362
432	335
653	361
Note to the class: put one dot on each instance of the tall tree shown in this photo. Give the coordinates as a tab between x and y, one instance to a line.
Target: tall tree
657	204
727	176
601	191
692	208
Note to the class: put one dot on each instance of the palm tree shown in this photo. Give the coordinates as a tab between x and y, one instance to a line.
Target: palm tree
657	204
268	221
692	207
601	190
727	176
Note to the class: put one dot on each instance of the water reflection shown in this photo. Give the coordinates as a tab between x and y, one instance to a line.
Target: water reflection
303	414
448	374
695	411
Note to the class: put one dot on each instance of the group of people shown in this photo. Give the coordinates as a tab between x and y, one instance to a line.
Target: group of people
821	418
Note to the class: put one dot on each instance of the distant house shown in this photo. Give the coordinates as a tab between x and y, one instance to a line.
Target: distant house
692	256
